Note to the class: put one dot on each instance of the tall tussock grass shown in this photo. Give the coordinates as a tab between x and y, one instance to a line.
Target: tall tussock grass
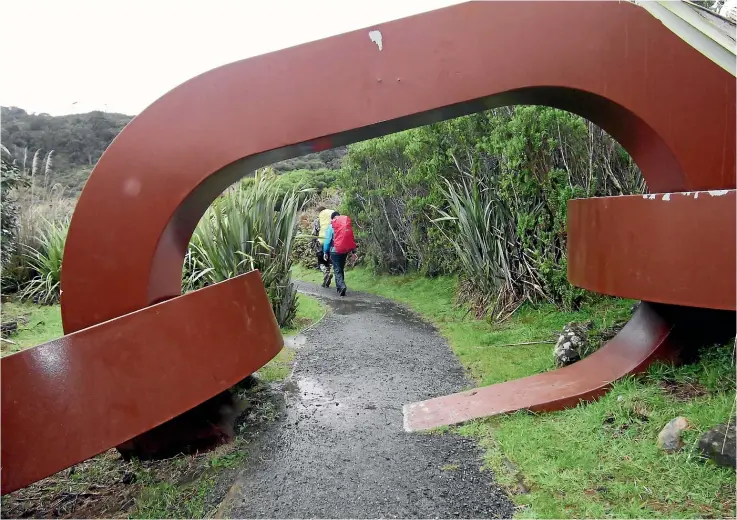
38	215
253	225
45	262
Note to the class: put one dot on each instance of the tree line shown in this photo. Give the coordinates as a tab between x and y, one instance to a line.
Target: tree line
483	196
78	141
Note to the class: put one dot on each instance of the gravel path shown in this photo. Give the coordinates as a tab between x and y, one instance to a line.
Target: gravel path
340	451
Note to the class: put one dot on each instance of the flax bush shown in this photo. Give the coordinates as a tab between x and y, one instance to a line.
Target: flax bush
252	226
45	262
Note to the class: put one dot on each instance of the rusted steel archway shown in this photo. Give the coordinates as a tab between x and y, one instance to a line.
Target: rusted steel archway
129	361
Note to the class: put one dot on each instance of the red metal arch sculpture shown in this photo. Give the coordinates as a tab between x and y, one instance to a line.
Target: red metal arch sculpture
610	62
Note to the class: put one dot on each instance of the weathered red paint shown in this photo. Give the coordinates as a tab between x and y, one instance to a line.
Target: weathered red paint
627	246
610	62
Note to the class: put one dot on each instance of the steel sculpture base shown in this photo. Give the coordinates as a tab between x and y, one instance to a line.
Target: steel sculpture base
197	430
671	234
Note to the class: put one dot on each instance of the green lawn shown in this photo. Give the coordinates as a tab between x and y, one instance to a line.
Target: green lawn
599	459
36	324
309	311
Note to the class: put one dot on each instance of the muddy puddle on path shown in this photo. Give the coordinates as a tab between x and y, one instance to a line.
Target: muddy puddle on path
307	395
295	342
339	450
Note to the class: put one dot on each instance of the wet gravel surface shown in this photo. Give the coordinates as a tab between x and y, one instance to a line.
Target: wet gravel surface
339	449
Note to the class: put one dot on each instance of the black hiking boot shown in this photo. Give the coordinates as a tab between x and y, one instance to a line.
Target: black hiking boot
326	280
341	291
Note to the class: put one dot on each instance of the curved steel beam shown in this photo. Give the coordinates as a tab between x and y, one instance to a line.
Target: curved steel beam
72	398
709	33
655	332
643	339
617	66
626	246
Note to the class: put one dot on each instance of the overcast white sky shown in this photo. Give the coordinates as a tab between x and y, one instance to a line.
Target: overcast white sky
70	56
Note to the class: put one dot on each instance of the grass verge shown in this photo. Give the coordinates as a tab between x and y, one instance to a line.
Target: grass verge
36	324
185	486
309	311
596	460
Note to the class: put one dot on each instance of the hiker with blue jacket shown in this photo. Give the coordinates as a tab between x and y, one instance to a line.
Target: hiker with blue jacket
338	244
319	228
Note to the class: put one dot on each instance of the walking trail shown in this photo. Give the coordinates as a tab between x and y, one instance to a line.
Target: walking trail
340	450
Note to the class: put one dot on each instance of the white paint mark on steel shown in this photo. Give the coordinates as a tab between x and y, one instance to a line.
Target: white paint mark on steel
696	195
666	197
718	193
406	411
377	39
651	197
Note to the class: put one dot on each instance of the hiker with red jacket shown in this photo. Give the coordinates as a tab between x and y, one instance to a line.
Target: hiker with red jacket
339	243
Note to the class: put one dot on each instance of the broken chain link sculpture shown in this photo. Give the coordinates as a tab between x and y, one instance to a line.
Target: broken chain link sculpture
137	353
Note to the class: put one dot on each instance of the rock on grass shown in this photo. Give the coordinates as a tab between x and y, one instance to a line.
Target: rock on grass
570	344
719	444
669	437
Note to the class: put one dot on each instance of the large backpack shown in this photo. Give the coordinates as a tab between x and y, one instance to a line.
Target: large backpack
324	218
343	240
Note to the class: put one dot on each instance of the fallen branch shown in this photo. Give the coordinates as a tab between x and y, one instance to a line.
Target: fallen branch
543	342
7	341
